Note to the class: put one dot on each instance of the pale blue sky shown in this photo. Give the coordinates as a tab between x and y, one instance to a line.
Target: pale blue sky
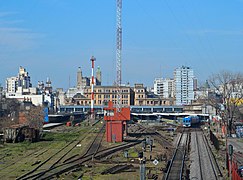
52	38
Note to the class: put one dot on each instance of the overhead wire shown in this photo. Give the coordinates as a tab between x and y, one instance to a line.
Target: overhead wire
156	22
199	55
211	47
183	28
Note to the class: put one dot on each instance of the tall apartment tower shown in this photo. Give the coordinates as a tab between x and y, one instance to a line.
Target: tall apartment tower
11	84
98	77
164	87
23	78
183	77
79	78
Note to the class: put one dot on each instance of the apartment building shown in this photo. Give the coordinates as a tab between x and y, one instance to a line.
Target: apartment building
164	87
184	93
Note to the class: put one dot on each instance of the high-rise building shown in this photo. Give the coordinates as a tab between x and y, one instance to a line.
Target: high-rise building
23	78
11	84
98	77
164	87
79	78
22	81
183	77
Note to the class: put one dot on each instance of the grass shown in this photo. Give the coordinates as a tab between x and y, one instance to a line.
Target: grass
24	154
49	136
132	153
17	158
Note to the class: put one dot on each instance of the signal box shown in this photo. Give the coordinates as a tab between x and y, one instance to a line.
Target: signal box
116	126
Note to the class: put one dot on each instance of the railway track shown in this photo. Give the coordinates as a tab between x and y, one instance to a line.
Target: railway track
22	158
162	140
76	163
176	168
205	166
55	158
95	145
31	155
117	168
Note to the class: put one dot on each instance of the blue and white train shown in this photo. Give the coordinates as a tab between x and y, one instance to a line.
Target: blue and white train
188	121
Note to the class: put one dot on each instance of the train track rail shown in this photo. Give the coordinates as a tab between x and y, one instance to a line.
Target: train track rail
176	168
76	163
162	140
213	159
72	164
207	167
95	145
56	157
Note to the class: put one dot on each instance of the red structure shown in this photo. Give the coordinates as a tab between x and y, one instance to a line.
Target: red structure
92	87
116	125
234	168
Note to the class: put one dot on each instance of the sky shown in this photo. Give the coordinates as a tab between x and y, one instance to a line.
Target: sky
52	38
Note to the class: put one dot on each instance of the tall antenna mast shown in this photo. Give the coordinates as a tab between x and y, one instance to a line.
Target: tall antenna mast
118	53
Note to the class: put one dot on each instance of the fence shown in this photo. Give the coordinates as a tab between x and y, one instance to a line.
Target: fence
235	171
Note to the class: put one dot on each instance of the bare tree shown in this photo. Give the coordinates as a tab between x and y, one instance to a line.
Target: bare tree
230	87
35	117
10	110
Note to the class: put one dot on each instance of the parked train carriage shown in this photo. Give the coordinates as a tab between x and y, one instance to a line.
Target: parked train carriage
195	120
188	121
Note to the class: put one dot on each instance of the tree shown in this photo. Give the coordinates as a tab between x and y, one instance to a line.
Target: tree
9	112
35	117
229	86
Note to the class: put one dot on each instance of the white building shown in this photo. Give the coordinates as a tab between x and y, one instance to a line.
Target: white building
164	87
20	88
21	80
183	77
11	84
37	100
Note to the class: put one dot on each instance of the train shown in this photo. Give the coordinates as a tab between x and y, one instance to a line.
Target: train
188	121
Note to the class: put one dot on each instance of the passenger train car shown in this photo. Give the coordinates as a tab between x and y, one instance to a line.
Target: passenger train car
188	121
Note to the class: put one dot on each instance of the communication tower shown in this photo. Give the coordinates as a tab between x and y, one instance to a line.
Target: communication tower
118	53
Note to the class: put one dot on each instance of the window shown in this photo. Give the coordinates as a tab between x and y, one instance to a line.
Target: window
106	96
